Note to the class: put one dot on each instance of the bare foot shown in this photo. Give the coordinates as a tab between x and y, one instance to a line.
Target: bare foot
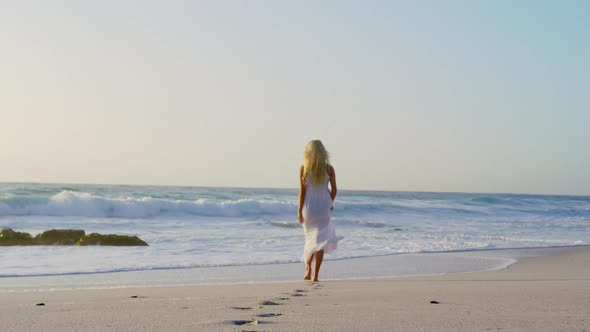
316	279
307	273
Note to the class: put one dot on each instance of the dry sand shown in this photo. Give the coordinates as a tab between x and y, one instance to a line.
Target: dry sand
549	293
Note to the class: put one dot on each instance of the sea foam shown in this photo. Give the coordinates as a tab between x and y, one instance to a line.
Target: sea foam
69	203
189	227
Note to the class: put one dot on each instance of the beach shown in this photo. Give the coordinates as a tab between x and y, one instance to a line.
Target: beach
229	259
174	166
548	292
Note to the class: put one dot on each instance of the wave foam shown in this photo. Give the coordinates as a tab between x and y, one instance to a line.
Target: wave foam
69	203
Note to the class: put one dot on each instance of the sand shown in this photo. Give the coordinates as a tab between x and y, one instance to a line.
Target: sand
548	293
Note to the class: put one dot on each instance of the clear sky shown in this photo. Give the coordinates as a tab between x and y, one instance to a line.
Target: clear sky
477	96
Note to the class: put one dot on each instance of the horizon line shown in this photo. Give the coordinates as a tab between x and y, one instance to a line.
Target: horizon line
295	188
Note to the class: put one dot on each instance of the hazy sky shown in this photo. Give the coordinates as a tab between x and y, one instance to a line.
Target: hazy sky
484	96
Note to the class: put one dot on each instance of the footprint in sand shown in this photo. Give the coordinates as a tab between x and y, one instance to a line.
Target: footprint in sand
242	308
269	303
251	321
269	315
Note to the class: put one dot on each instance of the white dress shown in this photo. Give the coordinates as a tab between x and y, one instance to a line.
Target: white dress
320	233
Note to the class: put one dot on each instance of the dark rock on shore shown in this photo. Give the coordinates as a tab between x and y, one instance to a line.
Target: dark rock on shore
8	237
59	237
96	239
64	237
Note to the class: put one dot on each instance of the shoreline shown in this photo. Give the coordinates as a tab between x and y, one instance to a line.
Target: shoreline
546	293
373	267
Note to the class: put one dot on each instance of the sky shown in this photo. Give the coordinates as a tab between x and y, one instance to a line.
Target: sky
469	96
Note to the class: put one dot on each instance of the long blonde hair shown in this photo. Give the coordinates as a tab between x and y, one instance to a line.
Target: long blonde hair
315	161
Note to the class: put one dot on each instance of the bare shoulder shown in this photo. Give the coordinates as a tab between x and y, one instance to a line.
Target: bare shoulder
330	169
301	168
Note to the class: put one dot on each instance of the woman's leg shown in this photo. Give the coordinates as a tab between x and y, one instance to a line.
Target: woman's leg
308	268
319	257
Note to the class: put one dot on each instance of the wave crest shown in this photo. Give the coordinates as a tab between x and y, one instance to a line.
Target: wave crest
69	203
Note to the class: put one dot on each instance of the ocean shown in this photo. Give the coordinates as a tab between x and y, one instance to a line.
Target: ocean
198	227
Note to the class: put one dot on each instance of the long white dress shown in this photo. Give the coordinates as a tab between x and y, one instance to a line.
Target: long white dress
320	233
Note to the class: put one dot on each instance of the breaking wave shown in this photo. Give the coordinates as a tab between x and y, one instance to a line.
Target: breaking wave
70	203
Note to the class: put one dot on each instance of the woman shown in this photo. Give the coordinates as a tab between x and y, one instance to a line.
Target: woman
315	203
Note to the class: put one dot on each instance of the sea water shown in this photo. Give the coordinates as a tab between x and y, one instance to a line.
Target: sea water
196	227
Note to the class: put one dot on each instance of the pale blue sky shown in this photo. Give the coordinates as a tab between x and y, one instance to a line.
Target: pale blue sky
484	96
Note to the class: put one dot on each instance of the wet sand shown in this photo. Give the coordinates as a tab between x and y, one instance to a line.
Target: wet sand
547	293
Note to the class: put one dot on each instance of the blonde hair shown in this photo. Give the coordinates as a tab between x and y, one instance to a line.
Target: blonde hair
315	161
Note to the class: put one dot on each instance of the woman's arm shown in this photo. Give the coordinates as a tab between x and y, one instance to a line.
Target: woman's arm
302	191
333	187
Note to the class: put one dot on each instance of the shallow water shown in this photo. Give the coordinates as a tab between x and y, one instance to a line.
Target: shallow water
190	227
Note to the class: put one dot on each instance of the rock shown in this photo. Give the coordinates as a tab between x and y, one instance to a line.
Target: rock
59	237
8	237
96	239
